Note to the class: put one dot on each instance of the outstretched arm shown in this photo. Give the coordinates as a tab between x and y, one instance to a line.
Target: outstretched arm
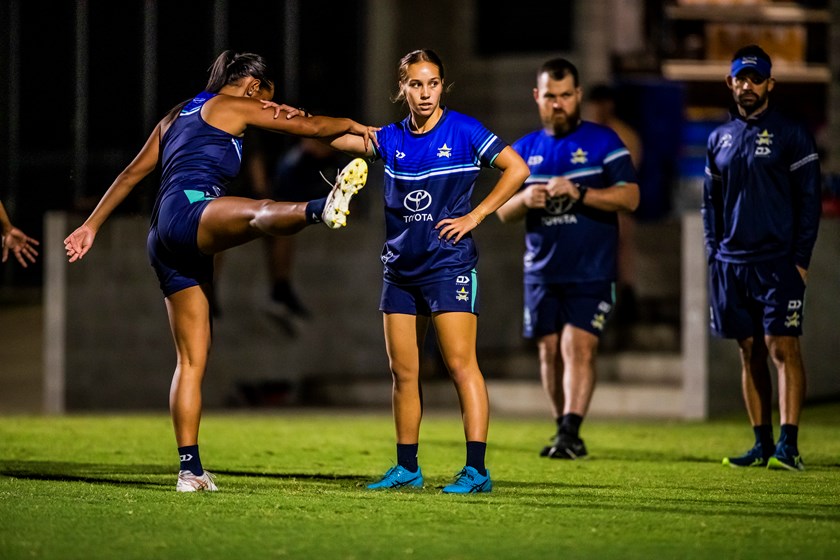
235	114
514	173
14	240
80	241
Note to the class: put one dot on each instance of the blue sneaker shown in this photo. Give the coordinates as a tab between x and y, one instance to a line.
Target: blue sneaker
399	477
786	458
755	457
468	481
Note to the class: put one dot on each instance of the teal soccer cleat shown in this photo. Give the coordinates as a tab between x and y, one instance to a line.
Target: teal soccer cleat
755	457
469	481
398	477
786	458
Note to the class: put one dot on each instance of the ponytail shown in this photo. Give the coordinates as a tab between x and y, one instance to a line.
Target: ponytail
230	67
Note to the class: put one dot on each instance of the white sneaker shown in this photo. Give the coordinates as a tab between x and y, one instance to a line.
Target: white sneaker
350	181
188	482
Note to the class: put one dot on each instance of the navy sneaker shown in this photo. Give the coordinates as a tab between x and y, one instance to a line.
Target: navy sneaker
564	446
786	458
469	481
755	457
399	477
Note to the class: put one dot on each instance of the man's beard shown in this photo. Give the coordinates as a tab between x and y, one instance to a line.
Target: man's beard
752	103
566	125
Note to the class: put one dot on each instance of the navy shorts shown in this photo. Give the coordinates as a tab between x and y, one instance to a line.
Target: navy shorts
173	242
585	305
753	299
459	293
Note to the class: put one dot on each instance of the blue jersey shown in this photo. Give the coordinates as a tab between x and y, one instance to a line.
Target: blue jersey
197	159
565	242
761	198
430	177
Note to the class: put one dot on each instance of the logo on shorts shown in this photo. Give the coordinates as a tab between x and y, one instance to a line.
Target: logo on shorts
416	202
794	318
387	257
462	279
598	321
462	295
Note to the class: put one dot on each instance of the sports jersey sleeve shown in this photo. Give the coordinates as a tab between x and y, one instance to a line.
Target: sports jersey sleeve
618	165
712	204
487	146
806	184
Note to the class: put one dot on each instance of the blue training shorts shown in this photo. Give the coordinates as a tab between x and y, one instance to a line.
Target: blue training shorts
459	293
173	242
585	305
754	299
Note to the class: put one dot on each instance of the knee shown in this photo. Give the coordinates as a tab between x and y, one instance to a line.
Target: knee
783	350
462	369
403	373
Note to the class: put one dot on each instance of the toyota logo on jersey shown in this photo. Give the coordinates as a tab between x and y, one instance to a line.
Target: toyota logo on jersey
417	201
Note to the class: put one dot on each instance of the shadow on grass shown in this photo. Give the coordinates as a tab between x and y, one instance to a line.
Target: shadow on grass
129	475
93	473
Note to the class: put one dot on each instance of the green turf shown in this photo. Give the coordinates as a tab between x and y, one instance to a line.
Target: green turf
292	486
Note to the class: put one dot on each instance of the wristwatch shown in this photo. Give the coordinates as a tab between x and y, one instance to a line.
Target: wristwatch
582	192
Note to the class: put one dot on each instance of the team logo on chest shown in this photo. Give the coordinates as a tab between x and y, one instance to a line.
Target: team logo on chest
763	142
579	156
444	151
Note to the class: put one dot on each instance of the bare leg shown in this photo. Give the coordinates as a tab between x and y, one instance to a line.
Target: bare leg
404	336
551	369
230	221
787	357
456	333
756	386
578	348
189	319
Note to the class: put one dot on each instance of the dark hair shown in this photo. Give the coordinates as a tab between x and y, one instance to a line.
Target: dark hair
751	50
420	55
230	67
559	68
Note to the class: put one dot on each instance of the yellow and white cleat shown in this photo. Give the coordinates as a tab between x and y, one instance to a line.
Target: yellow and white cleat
348	183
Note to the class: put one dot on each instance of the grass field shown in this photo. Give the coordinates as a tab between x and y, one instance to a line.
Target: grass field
292	486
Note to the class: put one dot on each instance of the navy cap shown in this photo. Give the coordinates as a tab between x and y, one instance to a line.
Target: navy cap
754	63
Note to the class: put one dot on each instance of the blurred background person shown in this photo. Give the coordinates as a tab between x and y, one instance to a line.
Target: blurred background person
600	108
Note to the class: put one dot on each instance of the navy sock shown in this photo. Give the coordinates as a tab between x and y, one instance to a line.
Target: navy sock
790	435
475	456
190	461
407	456
314	209
764	437
570	424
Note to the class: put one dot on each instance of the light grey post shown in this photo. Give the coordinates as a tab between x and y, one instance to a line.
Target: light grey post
55	313
695	322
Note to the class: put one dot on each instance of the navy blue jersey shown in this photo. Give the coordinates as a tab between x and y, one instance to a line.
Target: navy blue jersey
761	198
564	242
197	158
430	177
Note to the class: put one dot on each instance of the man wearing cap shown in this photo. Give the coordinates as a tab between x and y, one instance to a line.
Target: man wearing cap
761	210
